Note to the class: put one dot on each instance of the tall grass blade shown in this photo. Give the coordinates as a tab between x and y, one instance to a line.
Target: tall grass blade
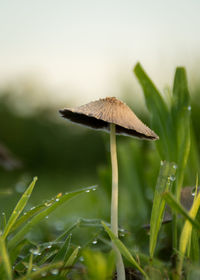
5	259
37	218
161	119
186	234
123	250
164	183
19	208
181	110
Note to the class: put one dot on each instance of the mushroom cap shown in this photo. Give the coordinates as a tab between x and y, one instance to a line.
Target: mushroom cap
101	113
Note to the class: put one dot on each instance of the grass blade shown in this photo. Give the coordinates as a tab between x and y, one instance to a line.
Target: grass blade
161	119
70	261
30	265
164	183
32	212
36	219
19	208
60	256
5	259
176	206
46	268
123	250
186	234
181	111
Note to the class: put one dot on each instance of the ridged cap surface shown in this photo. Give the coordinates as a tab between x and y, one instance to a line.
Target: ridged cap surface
99	114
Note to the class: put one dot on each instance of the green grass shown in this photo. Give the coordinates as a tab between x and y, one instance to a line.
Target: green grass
30	249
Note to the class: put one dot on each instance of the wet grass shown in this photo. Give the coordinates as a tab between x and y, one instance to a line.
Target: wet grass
31	247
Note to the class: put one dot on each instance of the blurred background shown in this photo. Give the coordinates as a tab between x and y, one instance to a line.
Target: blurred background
57	54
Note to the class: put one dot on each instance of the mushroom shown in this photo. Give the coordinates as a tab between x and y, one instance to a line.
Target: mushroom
116	117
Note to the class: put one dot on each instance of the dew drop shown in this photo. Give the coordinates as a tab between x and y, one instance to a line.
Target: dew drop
54	271
193	191
87	191
25	213
32	208
94	242
57	199
35	252
34	268
172	178
94	189
175	166
43	274
81	258
46	217
49	246
189	108
3	213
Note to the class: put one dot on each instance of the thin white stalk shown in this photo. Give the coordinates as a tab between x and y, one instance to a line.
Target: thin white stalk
114	201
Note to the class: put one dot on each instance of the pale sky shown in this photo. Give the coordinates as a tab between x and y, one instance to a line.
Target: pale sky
83	49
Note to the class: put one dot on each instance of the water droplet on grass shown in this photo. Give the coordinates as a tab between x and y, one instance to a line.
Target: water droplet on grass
46	217
94	242
175	166
32	208
54	271
35	252
49	246
193	191
189	108
87	191
57	199
172	178
34	268
43	274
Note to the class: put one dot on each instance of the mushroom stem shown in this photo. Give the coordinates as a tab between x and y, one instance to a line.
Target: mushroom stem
114	202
